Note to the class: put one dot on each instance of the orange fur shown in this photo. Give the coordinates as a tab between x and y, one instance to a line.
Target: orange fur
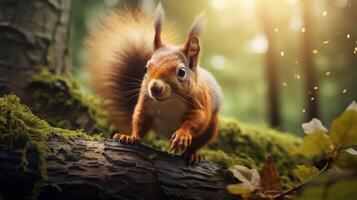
117	46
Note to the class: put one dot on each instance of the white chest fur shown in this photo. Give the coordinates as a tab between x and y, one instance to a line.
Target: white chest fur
167	115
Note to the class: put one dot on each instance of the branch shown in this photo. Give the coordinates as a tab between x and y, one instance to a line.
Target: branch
102	169
302	184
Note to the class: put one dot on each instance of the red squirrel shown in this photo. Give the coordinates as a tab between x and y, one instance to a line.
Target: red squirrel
148	84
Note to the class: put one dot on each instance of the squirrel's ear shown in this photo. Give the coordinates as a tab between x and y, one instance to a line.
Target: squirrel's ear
192	46
192	50
158	19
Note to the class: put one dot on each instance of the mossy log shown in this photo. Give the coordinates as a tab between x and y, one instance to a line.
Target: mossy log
53	163
105	169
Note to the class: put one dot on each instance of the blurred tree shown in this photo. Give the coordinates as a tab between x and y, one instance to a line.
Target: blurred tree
33	34
271	65
311	86
235	46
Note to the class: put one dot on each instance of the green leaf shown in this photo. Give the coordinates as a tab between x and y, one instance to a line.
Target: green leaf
344	159
304	172
242	189
344	129
315	144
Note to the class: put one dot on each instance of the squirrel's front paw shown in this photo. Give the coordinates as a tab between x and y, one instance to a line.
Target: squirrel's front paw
180	140
126	139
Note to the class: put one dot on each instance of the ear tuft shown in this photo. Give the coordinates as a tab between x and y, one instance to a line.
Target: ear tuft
197	26
192	46
158	20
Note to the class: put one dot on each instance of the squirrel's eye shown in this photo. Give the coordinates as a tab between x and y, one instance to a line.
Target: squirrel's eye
146	69
181	72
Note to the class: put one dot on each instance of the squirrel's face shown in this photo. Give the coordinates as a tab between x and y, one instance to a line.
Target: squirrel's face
171	71
168	74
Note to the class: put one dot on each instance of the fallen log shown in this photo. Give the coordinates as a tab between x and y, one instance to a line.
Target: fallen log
105	169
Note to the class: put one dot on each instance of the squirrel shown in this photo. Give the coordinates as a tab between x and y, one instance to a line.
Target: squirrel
148	84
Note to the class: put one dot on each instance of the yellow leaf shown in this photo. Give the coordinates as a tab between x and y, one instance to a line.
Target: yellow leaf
344	129
250	181
303	172
242	189
315	144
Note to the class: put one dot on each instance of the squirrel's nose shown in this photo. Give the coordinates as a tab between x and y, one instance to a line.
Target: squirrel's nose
156	89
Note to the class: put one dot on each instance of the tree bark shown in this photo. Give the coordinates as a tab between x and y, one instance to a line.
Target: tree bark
308	63
271	69
33	34
104	169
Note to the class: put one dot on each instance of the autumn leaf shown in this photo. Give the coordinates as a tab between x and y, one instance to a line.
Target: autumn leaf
250	181
344	128
270	182
304	172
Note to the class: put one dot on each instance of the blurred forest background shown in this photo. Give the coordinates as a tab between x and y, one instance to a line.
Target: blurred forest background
279	62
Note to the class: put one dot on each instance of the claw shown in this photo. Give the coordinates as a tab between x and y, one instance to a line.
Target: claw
172	137
126	139
180	140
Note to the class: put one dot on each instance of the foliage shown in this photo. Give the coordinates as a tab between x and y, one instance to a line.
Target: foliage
337	152
263	185
250	181
304	172
343	135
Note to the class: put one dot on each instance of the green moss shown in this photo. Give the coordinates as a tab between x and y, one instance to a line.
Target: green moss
59	100
254	143
240	143
21	130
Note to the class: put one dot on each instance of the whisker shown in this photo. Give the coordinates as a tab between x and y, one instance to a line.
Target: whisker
132	97
182	94
128	77
183	99
131	91
138	84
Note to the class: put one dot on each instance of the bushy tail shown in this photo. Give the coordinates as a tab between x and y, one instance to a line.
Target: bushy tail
118	48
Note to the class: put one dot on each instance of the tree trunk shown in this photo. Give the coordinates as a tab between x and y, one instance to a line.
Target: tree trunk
104	169
33	34
308	63
271	66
